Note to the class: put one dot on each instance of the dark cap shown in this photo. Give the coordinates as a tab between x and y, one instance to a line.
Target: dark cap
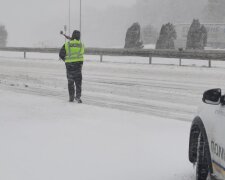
76	35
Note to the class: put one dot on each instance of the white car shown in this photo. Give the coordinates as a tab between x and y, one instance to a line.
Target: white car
207	137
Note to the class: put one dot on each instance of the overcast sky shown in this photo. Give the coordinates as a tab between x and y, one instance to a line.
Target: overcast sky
30	22
38	22
104	3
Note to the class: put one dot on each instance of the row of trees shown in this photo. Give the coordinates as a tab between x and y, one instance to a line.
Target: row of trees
196	38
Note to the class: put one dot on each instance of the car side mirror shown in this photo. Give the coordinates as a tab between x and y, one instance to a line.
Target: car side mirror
222	100
212	96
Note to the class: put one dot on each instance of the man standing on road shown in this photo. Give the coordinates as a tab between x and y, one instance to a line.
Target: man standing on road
72	54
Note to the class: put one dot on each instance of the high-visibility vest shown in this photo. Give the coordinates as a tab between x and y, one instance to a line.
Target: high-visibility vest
74	51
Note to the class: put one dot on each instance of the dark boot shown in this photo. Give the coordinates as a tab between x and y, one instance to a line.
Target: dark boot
71	99
78	100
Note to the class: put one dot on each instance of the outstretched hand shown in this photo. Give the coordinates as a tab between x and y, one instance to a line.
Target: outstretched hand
67	37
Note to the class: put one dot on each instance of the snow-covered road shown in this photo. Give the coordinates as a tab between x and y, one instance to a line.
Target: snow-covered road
165	91
134	122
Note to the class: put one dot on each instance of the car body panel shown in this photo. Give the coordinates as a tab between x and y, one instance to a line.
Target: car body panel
213	118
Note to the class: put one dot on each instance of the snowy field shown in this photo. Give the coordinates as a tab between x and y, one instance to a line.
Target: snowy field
134	122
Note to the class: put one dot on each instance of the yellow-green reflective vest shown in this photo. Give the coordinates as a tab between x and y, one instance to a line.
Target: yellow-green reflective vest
74	51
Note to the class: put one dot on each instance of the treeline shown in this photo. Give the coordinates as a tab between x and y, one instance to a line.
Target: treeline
196	38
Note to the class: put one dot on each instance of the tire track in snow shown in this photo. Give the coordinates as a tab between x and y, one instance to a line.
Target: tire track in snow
183	115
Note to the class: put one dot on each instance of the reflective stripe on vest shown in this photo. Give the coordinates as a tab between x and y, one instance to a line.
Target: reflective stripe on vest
74	51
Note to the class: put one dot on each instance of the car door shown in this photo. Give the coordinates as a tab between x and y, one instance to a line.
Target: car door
218	142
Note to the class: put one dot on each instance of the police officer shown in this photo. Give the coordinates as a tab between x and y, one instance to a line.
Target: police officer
72	54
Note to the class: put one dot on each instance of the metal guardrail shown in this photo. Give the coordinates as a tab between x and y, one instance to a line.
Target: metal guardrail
209	55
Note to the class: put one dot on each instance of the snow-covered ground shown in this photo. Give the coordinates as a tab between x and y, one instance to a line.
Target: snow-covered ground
48	138
134	122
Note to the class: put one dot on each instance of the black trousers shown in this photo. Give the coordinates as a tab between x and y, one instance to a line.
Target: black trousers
74	77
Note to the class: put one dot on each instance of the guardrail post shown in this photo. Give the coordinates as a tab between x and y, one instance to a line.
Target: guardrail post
101	57
180	50
24	54
150	59
210	64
